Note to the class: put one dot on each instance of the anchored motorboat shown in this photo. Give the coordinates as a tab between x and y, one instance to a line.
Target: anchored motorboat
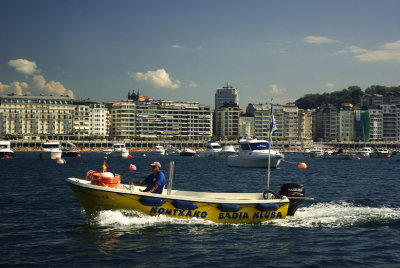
212	149
380	153
119	151
255	153
5	149
50	150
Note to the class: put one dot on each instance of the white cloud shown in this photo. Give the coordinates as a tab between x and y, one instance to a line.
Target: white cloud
159	78
330	85
15	87
176	46
193	84
24	66
51	87
351	49
276	90
319	40
387	52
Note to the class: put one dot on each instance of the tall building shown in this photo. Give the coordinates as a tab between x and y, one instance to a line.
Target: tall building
375	122
224	95
362	127
346	122
326	123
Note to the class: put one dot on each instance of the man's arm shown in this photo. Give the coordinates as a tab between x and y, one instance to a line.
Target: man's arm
153	188
139	183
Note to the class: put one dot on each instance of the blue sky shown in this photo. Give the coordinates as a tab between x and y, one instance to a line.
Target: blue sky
184	50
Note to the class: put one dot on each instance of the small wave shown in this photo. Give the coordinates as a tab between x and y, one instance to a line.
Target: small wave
339	214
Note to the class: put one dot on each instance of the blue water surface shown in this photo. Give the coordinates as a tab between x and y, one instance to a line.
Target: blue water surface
353	221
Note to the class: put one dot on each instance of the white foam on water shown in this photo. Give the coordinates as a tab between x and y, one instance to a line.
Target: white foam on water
338	214
135	218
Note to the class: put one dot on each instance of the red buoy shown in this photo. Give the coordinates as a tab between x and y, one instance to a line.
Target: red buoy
302	165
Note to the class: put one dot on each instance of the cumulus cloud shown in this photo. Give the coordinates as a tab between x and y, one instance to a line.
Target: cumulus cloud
159	78
176	46
24	66
386	52
51	87
15	87
330	85
37	83
276	90
319	40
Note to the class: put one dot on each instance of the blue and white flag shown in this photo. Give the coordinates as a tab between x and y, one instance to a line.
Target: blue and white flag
272	127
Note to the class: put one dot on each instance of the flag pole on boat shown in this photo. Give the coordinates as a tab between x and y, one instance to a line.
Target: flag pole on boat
272	129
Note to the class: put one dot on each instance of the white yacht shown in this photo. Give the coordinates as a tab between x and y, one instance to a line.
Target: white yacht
227	151
380	153
51	150
172	150
212	149
158	149
316	151
255	153
365	151
5	149
119	151
187	152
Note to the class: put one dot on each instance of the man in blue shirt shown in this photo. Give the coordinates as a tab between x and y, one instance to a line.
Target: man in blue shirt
155	182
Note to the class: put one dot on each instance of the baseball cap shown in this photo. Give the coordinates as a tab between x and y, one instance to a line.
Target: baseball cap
156	164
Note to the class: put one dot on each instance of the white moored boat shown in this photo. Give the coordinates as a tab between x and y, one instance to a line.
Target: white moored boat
365	151
380	153
339	155
212	149
51	150
227	151
255	153
187	152
5	149
119	151
158	149
316	151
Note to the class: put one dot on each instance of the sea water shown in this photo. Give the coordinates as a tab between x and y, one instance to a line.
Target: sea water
353	221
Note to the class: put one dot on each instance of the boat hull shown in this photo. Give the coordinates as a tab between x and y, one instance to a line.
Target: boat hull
95	198
6	154
119	154
50	155
343	156
70	154
254	161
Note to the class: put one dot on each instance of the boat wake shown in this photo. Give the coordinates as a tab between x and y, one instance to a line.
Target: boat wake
136	218
340	214
337	214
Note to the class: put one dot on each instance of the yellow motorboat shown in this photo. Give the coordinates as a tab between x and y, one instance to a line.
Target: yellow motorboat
103	191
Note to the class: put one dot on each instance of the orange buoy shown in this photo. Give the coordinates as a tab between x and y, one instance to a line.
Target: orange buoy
308	155
6	156
302	165
358	158
129	156
78	155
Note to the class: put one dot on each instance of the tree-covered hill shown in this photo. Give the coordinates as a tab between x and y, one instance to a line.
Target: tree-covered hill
350	95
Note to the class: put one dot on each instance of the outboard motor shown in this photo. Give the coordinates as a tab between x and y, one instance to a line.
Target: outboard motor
296	194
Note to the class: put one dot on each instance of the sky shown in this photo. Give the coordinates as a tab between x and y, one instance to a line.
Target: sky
183	50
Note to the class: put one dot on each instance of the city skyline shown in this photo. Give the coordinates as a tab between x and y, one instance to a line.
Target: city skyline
185	50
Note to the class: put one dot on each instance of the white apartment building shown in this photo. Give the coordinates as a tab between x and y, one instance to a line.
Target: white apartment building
375	123
160	119
98	120
33	116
